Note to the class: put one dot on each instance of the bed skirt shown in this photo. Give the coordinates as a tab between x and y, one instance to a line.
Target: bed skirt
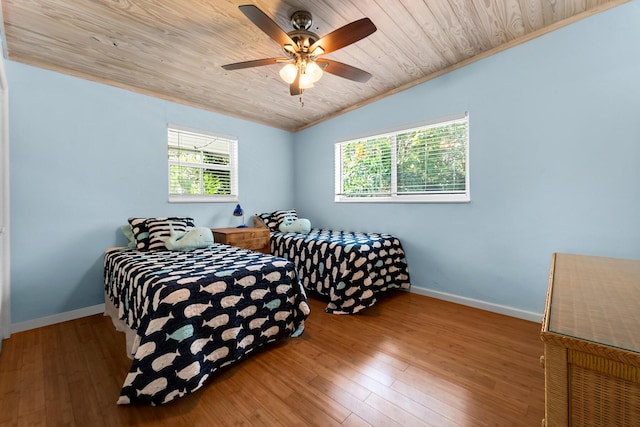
132	337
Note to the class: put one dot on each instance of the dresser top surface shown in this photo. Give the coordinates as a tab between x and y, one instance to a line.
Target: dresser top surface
595	299
240	230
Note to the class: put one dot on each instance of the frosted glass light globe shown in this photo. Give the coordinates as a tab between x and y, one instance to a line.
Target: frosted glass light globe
288	73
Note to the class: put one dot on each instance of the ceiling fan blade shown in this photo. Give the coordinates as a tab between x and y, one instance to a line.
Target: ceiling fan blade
254	63
294	88
344	70
266	24
344	36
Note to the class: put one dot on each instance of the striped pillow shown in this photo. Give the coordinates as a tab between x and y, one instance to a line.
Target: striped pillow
274	219
160	230
141	234
285	216
270	223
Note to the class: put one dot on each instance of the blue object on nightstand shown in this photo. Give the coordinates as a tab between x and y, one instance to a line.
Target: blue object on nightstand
239	212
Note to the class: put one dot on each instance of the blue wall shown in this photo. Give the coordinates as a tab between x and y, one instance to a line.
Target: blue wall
84	158
555	149
554	163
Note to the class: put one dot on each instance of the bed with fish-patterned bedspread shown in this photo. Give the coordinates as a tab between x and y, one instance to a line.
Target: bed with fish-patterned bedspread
196	311
348	268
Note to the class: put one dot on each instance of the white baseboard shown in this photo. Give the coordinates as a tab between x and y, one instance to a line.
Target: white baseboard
57	318
483	305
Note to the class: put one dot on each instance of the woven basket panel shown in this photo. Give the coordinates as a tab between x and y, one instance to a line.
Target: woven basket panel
556	388
599	400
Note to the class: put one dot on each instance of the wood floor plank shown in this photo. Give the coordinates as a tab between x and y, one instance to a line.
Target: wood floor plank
408	360
31	373
355	421
403	404
440	408
479	403
312	412
33	419
58	408
399	414
315	397
279	410
10	367
327	369
9	403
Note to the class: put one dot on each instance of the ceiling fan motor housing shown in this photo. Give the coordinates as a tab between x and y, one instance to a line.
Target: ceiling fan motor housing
301	20
303	39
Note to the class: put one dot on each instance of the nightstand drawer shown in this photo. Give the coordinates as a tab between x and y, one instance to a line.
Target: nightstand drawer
255	239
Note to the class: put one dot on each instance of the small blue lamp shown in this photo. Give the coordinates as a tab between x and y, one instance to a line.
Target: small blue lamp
239	212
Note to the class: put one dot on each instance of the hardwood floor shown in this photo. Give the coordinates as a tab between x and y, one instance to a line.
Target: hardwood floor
409	360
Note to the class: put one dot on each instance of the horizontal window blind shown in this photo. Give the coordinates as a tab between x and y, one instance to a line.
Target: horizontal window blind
366	167
407	165
201	166
432	159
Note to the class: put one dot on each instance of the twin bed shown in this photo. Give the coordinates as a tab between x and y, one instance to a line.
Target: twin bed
187	314
347	268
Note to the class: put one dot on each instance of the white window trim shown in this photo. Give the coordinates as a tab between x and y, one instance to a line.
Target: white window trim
212	198
462	197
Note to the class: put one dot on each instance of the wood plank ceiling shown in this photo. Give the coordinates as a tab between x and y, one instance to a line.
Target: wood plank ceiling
174	49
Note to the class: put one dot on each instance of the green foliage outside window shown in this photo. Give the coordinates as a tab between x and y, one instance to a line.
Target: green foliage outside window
367	167
423	161
432	159
192	172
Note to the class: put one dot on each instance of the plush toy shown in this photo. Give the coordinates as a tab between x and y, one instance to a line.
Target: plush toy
300	225
197	237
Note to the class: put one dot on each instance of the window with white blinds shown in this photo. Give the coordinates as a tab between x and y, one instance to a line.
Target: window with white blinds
203	167
428	163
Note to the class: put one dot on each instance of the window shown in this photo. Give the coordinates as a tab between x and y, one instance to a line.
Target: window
429	163
202	167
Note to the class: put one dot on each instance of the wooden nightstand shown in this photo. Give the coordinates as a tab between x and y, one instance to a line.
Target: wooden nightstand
256	239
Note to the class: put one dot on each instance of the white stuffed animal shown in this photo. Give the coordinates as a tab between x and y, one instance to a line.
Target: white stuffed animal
300	225
197	237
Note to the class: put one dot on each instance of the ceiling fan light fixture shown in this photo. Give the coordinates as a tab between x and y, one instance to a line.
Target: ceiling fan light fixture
305	81
317	51
288	73
313	71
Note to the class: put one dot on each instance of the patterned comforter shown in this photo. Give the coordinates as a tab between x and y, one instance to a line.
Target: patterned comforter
197	311
348	268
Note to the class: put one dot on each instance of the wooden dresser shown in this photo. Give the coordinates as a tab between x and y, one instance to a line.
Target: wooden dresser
256	239
591	335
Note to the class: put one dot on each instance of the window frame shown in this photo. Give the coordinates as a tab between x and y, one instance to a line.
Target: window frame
232	168
395	197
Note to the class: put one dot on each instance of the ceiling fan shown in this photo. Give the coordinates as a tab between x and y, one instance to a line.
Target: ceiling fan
303	49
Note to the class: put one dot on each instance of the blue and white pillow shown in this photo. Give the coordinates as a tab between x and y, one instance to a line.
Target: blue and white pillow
151	233
160	230
274	219
140	233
